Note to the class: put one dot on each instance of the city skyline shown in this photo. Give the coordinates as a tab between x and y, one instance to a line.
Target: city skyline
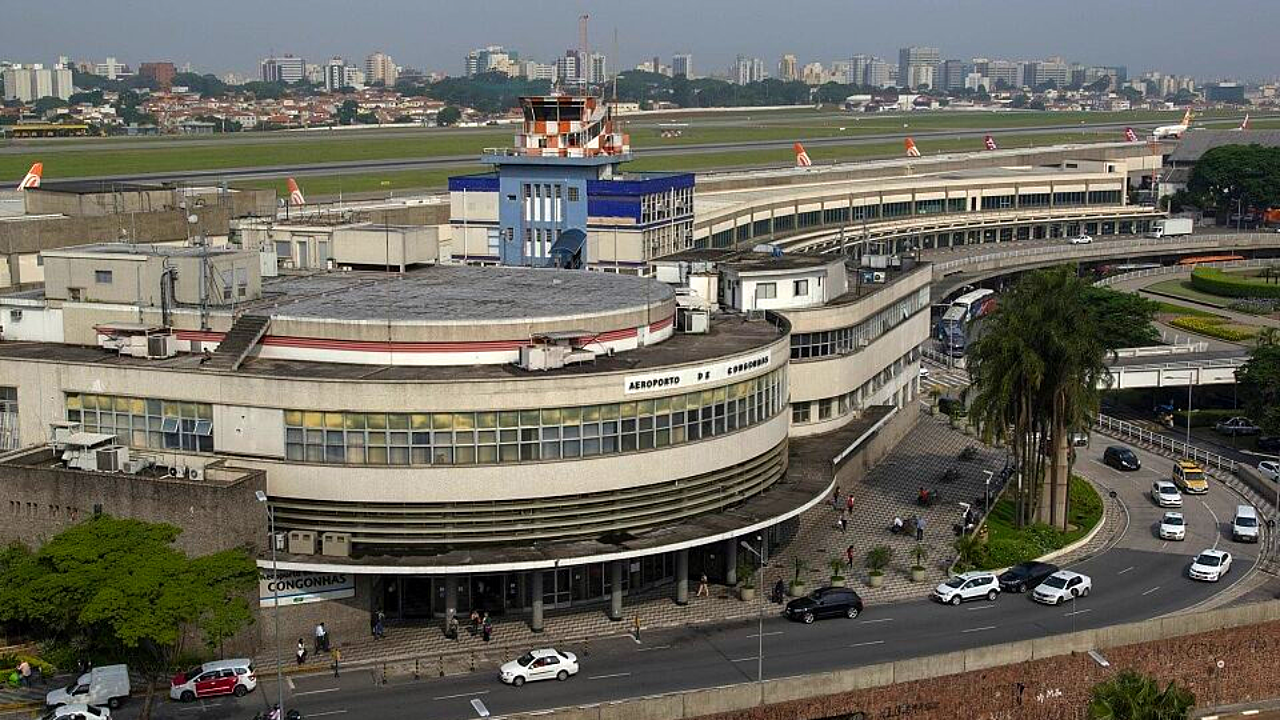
218	39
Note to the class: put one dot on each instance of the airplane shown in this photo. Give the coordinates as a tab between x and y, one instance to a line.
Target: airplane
1173	132
802	157
912	150
32	179
989	142
295	195
1130	135
1244	125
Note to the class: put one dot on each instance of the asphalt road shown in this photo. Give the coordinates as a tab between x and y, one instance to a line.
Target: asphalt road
361	166
1138	577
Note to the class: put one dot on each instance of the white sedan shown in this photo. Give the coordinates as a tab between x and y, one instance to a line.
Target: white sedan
1062	586
1081	239
1166	494
77	711
1270	469
1210	565
543	664
1173	527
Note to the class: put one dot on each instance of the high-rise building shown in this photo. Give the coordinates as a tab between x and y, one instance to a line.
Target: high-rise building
998	70
748	70
917	66
879	73
287	69
493	58
159	73
1044	72
30	83
788	69
111	69
813	73
532	70
567	69
335	74
379	67
857	74
682	64
951	74
597	68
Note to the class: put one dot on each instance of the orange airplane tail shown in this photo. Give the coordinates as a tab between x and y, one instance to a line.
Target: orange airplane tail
32	179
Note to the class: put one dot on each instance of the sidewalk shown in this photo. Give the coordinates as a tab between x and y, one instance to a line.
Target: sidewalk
889	490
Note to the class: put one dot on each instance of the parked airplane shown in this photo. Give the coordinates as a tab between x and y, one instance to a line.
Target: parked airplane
32	178
802	157
295	195
1173	132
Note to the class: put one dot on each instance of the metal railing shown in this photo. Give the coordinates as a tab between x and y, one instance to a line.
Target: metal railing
1211	462
1176	269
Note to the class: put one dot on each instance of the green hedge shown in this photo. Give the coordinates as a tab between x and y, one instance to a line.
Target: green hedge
1216	327
1217	282
1202	418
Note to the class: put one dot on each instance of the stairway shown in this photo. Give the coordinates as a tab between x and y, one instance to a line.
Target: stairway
239	340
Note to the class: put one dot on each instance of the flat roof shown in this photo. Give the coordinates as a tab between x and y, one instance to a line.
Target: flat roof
750	260
460	294
123	249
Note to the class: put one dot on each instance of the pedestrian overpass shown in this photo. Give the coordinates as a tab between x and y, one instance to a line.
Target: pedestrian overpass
1157	366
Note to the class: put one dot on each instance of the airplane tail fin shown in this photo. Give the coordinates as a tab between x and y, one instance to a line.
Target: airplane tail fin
802	157
1245	125
912	150
32	179
1186	118
990	142
1130	135
295	194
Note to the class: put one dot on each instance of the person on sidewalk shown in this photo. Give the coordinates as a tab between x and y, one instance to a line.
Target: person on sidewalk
703	589
848	554
337	658
301	652
842	523
636	624
379	626
779	590
24	674
849	504
320	638
919	529
486	628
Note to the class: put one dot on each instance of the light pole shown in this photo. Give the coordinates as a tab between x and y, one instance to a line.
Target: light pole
760	629
275	596
986	499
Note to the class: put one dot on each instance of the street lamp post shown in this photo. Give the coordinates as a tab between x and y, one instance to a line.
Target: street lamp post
275	597
760	624
986	496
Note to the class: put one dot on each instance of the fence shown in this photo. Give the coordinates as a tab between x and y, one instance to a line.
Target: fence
1175	269
1104	250
1165	445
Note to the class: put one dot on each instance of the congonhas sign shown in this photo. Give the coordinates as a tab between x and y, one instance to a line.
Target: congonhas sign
682	378
295	588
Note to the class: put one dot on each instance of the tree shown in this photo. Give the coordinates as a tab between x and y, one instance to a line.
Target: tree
1131	696
1018	101
1036	372
347	112
43	105
1230	173
448	115
120	588
1126	316
1258	382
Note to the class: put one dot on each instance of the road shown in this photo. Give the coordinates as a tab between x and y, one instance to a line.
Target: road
1138	577
362	166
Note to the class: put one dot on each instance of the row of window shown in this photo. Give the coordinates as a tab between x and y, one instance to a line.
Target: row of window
513	436
677	202
845	340
145	423
824	409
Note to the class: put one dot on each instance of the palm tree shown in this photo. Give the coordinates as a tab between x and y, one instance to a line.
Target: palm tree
1036	372
1131	696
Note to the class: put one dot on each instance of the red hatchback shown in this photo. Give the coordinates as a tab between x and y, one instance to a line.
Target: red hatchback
220	677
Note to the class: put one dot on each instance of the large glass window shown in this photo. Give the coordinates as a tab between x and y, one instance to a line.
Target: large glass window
145	422
512	436
845	340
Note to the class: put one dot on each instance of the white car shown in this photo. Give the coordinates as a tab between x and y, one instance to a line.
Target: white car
924	372
968	586
544	664
1270	469
1173	527
1081	239
77	711
1166	494
1210	565
1062	586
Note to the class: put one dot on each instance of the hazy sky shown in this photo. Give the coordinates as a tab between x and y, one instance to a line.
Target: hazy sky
1205	38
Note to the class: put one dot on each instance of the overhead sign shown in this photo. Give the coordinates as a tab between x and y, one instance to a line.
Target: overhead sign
683	378
296	588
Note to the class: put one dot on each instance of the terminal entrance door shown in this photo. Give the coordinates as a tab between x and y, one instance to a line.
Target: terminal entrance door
556	589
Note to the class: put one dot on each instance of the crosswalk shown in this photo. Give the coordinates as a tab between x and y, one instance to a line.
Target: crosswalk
941	376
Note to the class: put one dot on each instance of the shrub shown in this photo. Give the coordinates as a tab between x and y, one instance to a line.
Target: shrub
1216	327
1217	282
878	559
1255	306
1202	418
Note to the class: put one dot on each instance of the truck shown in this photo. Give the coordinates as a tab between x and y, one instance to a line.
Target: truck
107	685
1170	227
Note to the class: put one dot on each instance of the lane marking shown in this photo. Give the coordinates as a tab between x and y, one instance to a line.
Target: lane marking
655	647
1077	612
1217	529
317	692
479	707
869	642
611	675
877	620
1250	712
327	712
461	695
775	632
1151	591
753	657
979	607
980	629
1125	570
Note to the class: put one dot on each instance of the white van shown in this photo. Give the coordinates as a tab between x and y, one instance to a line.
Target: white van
107	685
1244	528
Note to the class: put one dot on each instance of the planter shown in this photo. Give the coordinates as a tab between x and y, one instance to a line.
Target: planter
917	574
747	593
796	589
837	581
875	580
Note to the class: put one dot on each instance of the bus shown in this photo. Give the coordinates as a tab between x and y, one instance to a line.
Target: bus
952	330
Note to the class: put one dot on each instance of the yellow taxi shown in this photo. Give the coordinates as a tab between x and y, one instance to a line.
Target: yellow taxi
1190	478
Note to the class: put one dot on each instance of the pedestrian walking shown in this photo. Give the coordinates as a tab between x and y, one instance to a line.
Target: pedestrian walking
24	673
848	555
301	652
337	658
835	499
919	529
703	590
636	625
849	504
475	622
486	628
842	523
320	633
379	627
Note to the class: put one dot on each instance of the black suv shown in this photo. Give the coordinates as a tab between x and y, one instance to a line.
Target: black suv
1121	458
824	602
1025	576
